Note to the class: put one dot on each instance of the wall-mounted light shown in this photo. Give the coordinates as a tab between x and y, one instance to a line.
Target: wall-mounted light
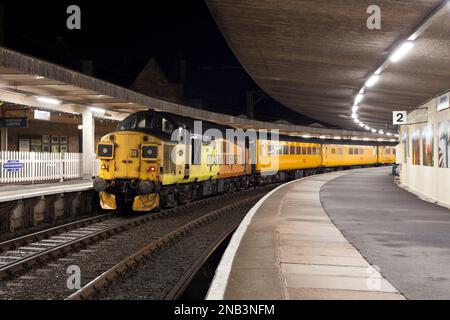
402	51
48	100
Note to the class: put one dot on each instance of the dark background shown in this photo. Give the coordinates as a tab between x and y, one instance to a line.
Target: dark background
121	37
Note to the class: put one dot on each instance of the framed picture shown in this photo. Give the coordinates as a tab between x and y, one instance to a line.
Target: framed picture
46	139
55	148
63	148
63	139
55	139
46	148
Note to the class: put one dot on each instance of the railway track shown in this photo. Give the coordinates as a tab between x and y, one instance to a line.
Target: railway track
17	256
98	285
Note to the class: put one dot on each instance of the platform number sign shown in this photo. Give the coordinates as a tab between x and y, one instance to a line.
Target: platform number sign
399	117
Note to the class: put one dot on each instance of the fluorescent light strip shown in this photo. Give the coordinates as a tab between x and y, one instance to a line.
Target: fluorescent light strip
372	80
48	100
402	51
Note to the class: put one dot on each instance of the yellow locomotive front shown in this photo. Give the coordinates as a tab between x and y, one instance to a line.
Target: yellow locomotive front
129	167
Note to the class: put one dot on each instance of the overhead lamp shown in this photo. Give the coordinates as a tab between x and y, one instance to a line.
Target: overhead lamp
392	140
366	139
337	138
381	131
359	98
388	134
355	109
48	100
356	120
354	116
380	139
80	127
99	111
362	90
402	51
322	137
379	70
367	127
306	136
362	124
372	80
397	136
373	130
38	77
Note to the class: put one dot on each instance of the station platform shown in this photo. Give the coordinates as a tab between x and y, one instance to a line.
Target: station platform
306	240
12	192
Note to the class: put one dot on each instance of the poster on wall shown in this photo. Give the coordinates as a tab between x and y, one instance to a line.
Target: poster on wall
415	137
444	144
427	143
405	147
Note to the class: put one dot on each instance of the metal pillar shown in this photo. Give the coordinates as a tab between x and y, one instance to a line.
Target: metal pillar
4	139
88	144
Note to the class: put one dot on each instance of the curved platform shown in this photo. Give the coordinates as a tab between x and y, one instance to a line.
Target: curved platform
287	247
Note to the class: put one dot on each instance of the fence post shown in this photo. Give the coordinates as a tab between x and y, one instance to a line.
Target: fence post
61	168
33	166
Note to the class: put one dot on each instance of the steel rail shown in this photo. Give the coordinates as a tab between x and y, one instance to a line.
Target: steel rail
104	280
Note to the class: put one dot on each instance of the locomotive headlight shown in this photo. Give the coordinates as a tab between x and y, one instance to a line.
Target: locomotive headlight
146	187
105	167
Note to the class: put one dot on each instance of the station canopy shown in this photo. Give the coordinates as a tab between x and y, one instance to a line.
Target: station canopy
315	56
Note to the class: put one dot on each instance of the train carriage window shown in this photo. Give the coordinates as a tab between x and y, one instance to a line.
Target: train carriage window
309	150
271	149
350	150
285	149
167	126
361	151
333	151
388	151
292	150
356	151
394	151
303	150
339	151
299	150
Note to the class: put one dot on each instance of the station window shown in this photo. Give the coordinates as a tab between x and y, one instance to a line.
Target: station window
285	149
299	150
292	150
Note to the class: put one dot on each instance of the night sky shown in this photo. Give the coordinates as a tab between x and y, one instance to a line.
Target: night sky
121	37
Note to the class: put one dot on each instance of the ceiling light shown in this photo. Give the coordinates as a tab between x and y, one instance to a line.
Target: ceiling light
381	131
367	127
337	138
355	109
361	124
359	98
379	70
373	130
388	134
402	51
38	77
366	139
362	90
306	136
380	139
397	136
372	80
392	140
80	127
322	137
48	100
98	111
356	120
354	116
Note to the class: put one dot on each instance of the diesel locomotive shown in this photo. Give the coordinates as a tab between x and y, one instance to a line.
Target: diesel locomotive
142	166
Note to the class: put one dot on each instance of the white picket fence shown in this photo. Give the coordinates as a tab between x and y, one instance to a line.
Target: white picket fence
17	166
